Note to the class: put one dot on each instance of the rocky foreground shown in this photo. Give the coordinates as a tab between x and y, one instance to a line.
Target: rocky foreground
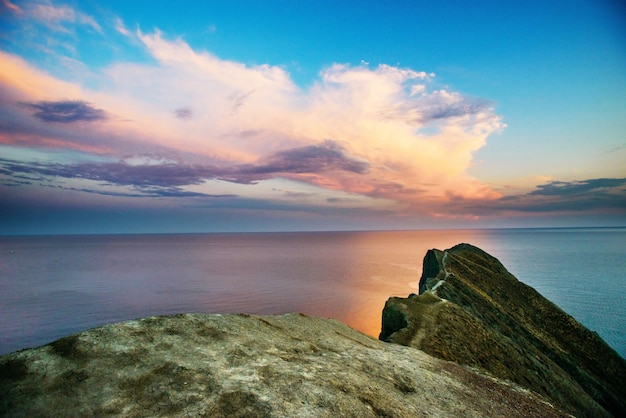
246	366
295	365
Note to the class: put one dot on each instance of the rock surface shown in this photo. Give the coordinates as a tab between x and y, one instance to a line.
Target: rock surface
247	366
472	311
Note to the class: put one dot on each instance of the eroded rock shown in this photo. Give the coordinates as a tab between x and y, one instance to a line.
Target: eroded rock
246	366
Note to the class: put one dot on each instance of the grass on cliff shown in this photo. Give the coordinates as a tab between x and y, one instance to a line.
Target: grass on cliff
489	320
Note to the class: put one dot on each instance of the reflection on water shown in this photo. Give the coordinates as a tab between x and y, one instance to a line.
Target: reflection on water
53	286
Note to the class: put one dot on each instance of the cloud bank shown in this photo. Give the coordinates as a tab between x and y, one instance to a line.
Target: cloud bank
185	123
379	132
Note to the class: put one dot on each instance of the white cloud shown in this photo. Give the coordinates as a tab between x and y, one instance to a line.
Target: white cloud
55	17
88	20
120	27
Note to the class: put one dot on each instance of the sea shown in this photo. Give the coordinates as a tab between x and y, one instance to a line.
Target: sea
53	286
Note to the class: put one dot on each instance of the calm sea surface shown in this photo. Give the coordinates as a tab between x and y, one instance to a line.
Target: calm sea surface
56	285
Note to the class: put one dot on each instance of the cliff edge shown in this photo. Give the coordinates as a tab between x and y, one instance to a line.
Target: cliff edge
472	311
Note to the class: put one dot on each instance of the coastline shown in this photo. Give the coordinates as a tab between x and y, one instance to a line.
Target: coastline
58	285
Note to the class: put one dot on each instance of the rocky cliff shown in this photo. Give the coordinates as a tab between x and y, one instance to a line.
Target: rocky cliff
247	366
472	311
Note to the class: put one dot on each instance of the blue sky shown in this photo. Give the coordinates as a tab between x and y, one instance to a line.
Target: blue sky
158	116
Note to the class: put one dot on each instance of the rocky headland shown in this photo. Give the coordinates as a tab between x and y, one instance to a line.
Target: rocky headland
475	342
472	311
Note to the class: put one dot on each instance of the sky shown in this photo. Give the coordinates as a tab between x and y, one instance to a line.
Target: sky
234	116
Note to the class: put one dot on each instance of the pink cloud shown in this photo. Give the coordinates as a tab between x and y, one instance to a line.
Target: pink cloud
256	117
121	28
11	6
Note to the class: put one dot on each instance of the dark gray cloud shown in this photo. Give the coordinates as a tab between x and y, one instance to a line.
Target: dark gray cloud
294	195
328	156
65	111
168	179
157	181
183	113
15	183
175	191
603	195
120	173
341	200
462	108
573	188
165	179
154	191
325	157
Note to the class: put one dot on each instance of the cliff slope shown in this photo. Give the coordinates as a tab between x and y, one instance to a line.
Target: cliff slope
246	366
472	311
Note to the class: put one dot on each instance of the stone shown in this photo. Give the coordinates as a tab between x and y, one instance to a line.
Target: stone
247	366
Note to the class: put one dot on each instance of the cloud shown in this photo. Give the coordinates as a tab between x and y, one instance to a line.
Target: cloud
183	113
327	157
458	107
376	133
118	23
376	114
120	173
7	5
438	105
143	191
147	180
602	195
238	99
65	111
55	17
583	187
187	123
